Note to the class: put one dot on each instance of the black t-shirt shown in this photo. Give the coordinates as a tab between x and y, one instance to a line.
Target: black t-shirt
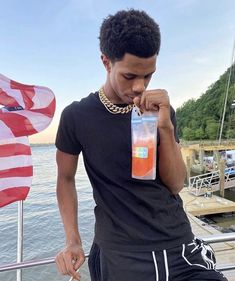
131	214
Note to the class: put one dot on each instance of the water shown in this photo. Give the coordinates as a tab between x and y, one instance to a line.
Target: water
43	229
223	222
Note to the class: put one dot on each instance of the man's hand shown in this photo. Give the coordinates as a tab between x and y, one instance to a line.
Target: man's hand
70	259
156	100
172	170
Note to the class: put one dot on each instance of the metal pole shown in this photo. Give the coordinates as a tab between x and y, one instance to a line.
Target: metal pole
26	264
46	261
226	95
20	240
217	238
222	177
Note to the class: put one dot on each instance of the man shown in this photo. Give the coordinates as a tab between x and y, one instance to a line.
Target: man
141	231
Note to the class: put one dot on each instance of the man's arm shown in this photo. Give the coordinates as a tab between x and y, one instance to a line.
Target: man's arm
72	256
172	169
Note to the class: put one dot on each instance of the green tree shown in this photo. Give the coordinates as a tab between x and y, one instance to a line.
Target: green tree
188	133
199	134
212	130
230	134
203	115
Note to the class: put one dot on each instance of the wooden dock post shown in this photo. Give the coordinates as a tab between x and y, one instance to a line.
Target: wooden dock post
217	159
201	156
222	176
188	168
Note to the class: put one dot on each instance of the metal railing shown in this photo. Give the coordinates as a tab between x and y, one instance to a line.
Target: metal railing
209	239
199	184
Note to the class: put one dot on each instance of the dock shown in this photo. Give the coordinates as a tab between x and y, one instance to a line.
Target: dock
197	206
200	206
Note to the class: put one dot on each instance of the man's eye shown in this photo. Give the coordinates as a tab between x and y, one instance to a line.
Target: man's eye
128	77
148	76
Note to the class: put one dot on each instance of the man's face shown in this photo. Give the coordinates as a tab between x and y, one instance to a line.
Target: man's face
130	77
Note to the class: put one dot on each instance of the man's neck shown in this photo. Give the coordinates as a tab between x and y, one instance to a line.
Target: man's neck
111	95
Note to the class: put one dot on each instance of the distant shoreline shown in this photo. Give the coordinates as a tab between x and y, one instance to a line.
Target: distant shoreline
42	144
205	142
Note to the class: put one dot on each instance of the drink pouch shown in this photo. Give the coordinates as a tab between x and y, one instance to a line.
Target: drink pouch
144	144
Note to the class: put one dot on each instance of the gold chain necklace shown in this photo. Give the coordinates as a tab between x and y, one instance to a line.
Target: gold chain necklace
112	108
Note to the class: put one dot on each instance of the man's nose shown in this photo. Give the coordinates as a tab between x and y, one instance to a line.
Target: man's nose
138	86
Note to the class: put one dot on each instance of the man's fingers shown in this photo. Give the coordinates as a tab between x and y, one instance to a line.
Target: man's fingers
70	263
136	101
75	278
61	264
66	265
75	275
142	100
145	102
79	262
154	100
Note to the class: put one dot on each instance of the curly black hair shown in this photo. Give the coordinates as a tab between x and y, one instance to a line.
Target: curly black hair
130	31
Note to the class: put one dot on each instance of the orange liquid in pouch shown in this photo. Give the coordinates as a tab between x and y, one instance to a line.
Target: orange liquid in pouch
143	159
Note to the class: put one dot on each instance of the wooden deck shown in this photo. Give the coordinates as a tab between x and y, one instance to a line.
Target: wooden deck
196	206
199	206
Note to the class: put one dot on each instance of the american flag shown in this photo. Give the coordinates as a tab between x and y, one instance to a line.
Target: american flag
16	170
26	110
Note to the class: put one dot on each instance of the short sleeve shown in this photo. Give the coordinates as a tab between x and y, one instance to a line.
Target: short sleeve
66	138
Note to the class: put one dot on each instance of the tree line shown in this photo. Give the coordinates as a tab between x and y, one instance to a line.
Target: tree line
199	119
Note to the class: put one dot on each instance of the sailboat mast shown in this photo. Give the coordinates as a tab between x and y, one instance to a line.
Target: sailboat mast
226	94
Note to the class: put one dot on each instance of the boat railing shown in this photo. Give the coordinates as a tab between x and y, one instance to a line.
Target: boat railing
39	262
196	183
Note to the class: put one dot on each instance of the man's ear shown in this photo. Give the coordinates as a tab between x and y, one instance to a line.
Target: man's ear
106	62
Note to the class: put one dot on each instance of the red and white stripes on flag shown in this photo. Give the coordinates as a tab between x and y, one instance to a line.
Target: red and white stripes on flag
26	110
16	170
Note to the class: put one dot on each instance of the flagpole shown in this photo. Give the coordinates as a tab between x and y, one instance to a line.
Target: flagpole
20	239
226	93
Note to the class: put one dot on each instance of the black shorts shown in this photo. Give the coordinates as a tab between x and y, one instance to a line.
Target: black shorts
192	262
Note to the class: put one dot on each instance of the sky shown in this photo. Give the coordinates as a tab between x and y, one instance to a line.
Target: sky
54	43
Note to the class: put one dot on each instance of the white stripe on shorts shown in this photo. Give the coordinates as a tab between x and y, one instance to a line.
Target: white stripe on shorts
155	264
166	264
